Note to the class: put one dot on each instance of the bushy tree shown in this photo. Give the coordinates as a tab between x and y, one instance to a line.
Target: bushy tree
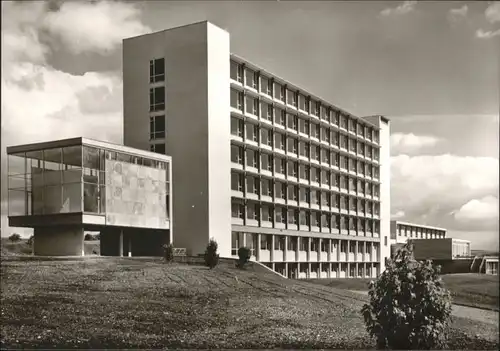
15	237
244	255
88	237
30	241
409	306
211	255
168	252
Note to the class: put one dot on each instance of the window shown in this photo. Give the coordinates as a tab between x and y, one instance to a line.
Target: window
315	174
280	215
292	217
293	145
236	127
266	213
279	92
157	70
279	141
253	185
253	211
304	171
156	127
236	72
304	149
304	126
236	181
279	165
335	138
336	200
293	169
324	113
325	199
266	86
303	102
266	162
325	156
237	154
293	193
157	99
315	130
266	111
352	165
279	117
352	145
352	125
238	210
325	177
368	133
267	187
291	97
361	167
315	152
335	157
343	121
335	222
265	242
361	130
252	158
343	141
266	136
237	99
252	79
252	132
252	105
158	148
292	121
315	105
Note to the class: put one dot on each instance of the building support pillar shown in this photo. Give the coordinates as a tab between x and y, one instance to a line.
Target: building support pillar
319	249
120	243
297	248
285	249
271	252
309	270
257	249
309	250
129	244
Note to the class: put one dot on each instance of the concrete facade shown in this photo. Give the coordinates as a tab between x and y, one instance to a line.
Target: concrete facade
62	188
260	162
441	249
402	231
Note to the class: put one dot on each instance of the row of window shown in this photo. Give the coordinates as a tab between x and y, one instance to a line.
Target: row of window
299	100
292	243
281	214
293	143
157	103
265	161
280	190
410	231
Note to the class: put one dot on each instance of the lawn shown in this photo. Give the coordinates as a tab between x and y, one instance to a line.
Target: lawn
140	303
471	289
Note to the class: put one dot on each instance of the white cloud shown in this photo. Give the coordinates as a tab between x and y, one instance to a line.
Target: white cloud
99	26
433	188
492	12
481	34
397	215
485	209
40	102
404	8
455	15
401	143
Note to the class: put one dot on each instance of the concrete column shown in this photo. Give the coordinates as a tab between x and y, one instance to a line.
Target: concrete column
286	270
297	248
339	242
356	251
129	244
309	270
257	249
120	243
320	270
329	253
309	250
356	270
348	273
285	249
329	270
319	249
244	241
272	250
348	253
338	270
364	251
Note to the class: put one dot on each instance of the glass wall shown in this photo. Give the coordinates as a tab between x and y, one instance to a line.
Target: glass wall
66	180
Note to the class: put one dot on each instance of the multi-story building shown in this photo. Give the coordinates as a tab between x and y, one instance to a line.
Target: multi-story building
260	162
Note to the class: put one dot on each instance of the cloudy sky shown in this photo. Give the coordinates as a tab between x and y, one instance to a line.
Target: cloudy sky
432	68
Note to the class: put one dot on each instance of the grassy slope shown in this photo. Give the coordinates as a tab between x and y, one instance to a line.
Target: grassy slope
21	248
475	290
127	303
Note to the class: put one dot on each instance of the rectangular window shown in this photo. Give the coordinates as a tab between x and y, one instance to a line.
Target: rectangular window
252	105
266	136
267	214
237	181
158	148
293	145
315	130
279	117
266	162
293	169
291	97
237	99
266	111
157	70
237	127
236	72
304	126
315	107
238	210
252	79
265	242
267	187
157	127
279	92
157	99
343	121
280	215
253	211
252	157
292	121
324	113
279	165
279	141
266	86
293	193
252	132
237	154
253	185
303	102
292	217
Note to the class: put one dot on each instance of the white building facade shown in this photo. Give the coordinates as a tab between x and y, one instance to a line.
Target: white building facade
260	162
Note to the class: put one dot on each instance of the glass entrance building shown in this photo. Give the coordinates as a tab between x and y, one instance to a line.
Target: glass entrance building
65	187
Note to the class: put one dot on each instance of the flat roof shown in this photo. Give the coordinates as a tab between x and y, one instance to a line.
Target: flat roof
417	225
255	67
15	149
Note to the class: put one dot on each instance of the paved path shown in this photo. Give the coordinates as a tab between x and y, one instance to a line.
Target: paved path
477	314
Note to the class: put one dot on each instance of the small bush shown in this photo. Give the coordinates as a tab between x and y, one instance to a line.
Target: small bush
409	306
168	252
30	241
15	237
88	237
211	256
244	255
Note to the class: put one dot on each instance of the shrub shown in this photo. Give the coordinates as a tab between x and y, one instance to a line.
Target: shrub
211	256
88	237
30	241
244	255
168	252
15	237
409	306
